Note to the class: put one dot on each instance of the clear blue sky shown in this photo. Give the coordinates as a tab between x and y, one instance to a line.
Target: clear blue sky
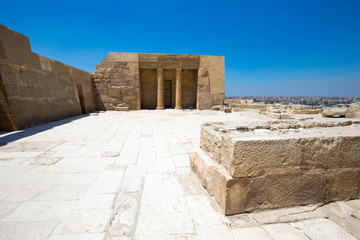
288	48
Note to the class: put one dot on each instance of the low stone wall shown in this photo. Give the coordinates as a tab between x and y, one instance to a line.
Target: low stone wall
239	101
275	164
248	106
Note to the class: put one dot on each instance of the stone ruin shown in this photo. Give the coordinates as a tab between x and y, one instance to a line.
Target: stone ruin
35	89
265	165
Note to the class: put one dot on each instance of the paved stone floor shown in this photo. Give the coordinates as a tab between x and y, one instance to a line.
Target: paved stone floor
126	175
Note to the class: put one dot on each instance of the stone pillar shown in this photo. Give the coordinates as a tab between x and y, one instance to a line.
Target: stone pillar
160	89
178	89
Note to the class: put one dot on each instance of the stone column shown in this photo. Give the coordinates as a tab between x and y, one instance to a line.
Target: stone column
160	89
178	89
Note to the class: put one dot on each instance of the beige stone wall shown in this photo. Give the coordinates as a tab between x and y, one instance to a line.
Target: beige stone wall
36	89
148	83
211	81
116	81
188	88
202	77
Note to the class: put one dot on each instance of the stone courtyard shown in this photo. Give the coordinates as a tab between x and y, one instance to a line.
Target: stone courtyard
127	175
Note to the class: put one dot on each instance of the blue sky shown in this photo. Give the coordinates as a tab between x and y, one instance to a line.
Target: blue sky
272	48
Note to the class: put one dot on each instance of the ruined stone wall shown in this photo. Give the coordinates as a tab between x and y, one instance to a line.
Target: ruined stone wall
353	111
36	89
120	79
211	82
116	81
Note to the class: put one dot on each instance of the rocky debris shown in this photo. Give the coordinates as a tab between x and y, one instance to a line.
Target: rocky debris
353	111
224	108
218	107
334	112
227	110
121	107
280	111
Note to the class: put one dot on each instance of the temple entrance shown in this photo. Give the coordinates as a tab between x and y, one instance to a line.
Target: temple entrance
81	99
148	86
168	93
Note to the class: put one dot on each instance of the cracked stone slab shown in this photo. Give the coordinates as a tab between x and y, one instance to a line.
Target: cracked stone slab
322	228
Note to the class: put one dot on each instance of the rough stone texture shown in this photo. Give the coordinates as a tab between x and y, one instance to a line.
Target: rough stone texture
211	82
238	101
353	111
278	164
35	89
116	81
131	78
249	106
334	112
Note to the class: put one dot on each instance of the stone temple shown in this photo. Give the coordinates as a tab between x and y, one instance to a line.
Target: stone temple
158	81
36	89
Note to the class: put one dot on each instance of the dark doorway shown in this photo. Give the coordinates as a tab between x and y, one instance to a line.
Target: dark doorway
148	86
168	92
81	98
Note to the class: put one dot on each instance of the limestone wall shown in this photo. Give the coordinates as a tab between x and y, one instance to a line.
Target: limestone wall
36	89
116	81
119	77
211	82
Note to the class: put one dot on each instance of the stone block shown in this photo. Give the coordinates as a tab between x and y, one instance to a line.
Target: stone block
114	92
334	112
203	89
203	72
203	81
274	191
343	184
353	111
127	91
257	166
254	153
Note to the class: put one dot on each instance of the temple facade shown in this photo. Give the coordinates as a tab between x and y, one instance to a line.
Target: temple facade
35	89
159	81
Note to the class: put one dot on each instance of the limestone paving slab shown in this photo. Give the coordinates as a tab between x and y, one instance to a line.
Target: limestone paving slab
127	175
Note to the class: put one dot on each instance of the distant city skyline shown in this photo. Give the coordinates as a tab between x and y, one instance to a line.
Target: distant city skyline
271	48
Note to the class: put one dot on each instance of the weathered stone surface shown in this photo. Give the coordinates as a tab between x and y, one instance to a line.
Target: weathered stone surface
253	167
353	111
217	107
334	112
264	151
136	77
36	89
248	106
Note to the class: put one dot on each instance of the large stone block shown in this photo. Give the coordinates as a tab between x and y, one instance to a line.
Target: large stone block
278	164
265	151
353	111
203	81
